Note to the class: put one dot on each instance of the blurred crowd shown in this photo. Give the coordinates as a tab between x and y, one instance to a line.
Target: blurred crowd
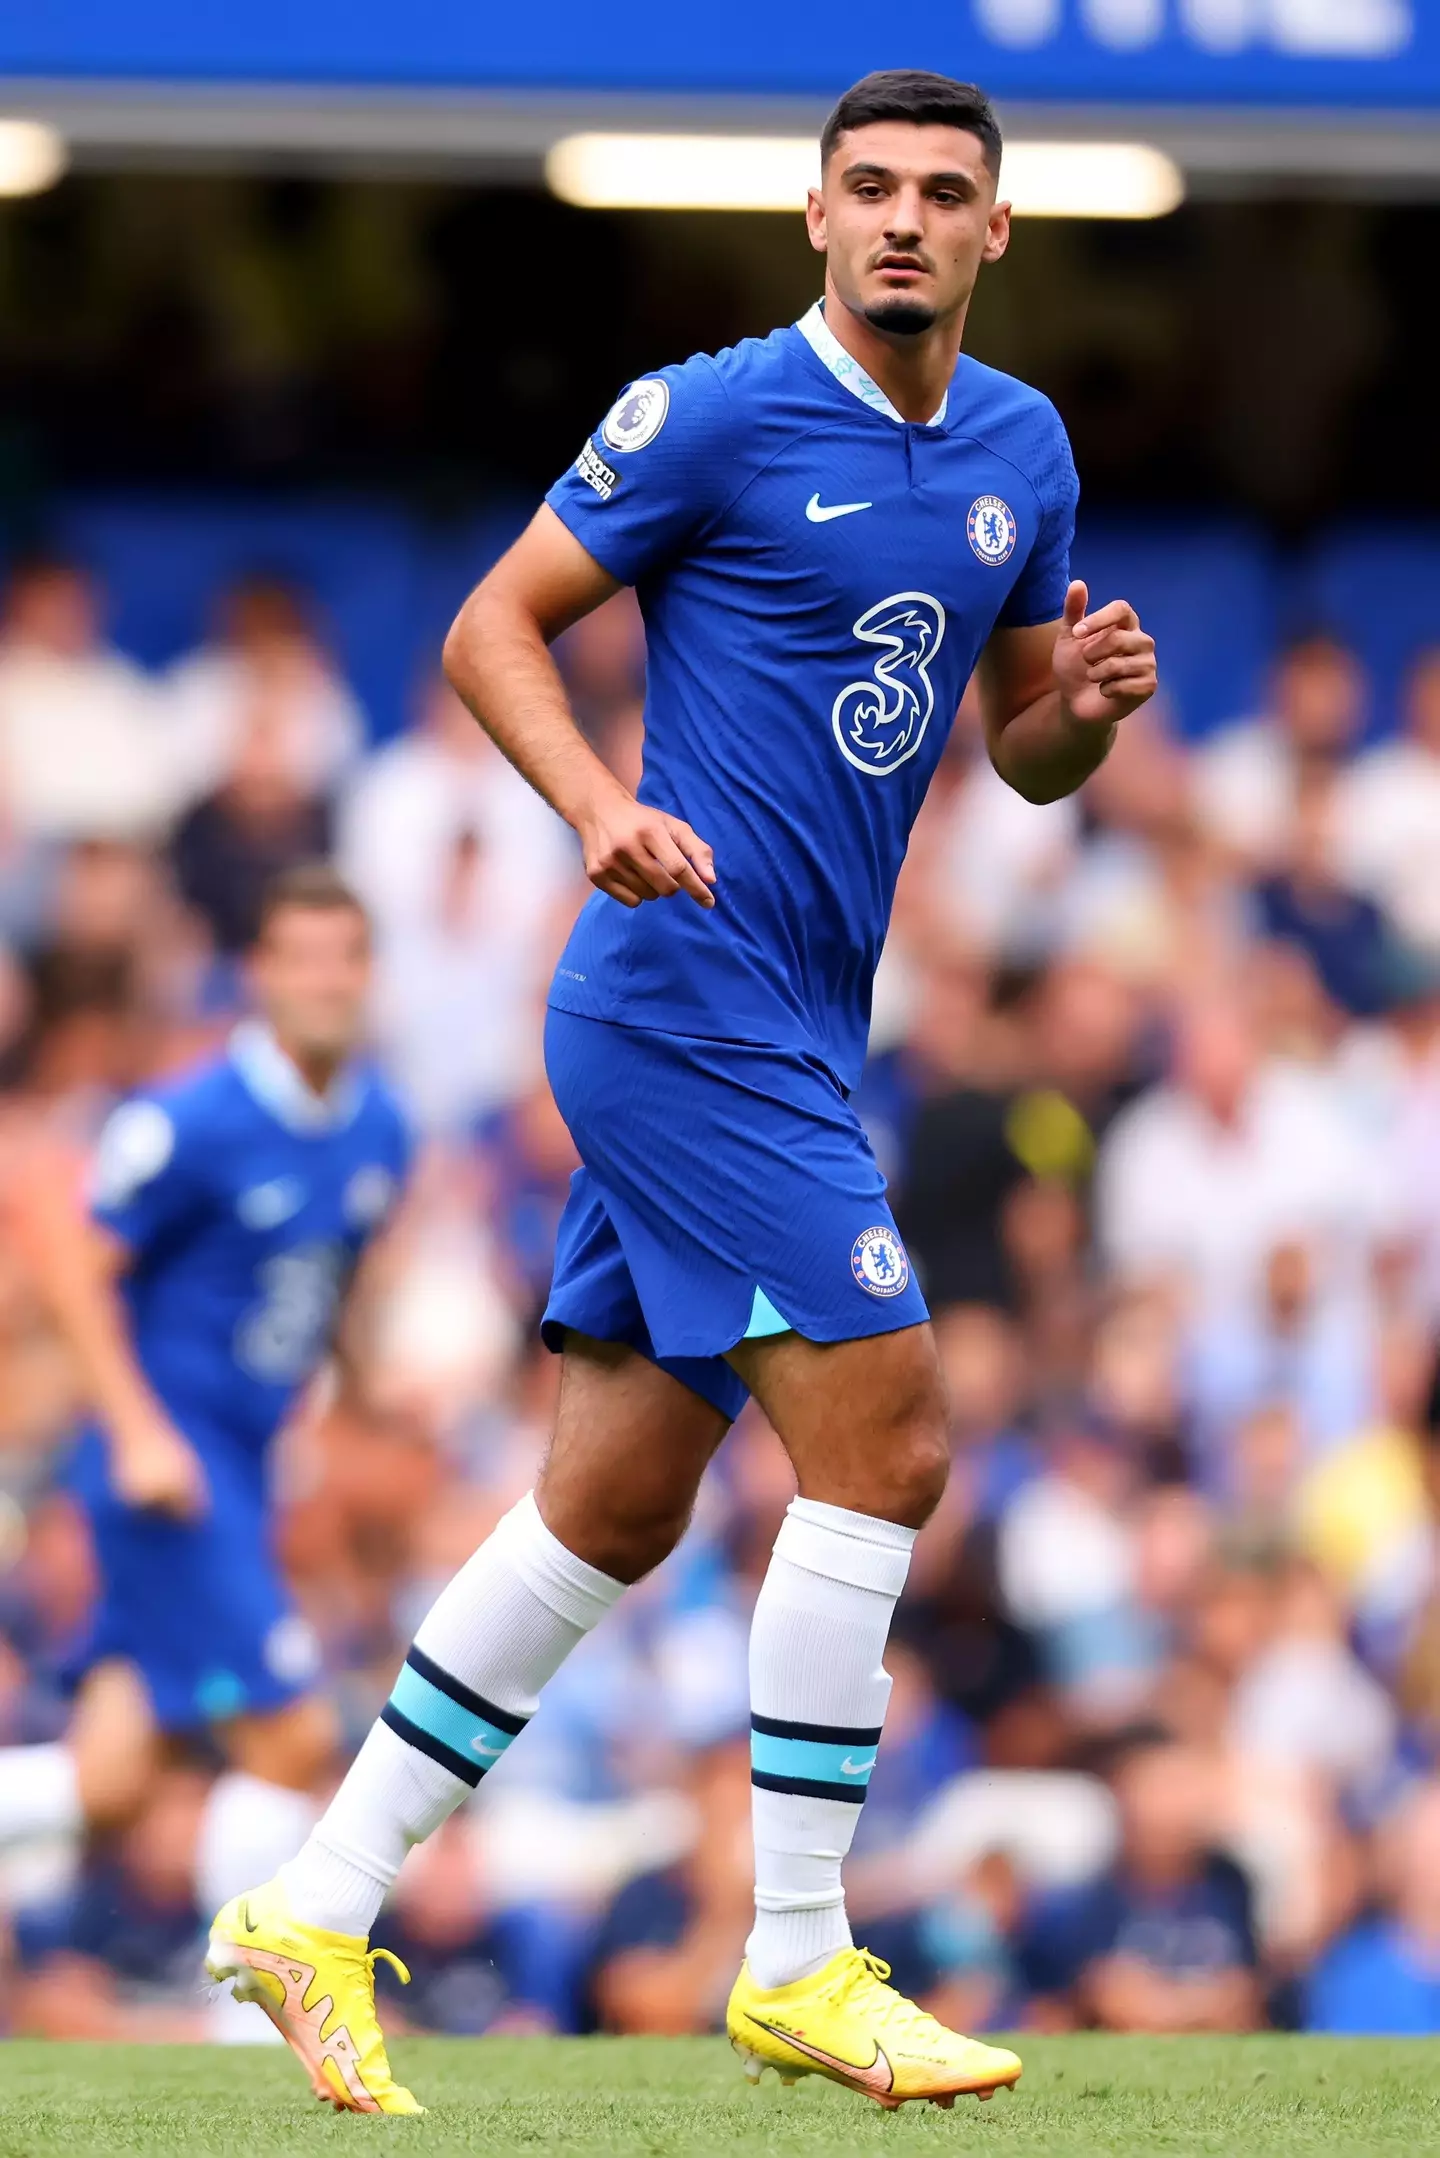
1156	1079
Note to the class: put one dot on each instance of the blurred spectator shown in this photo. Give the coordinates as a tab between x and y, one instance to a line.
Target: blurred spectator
1248	776
475	1969
1165	1940
84	751
603	662
265	653
260	820
1387	814
527	1159
1291	1349
985	860
670	1946
1234	1154
118	1958
1344	934
1383	1977
1068	1571
1307	1700
471	881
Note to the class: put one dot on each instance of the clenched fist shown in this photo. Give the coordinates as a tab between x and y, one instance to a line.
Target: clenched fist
1104	662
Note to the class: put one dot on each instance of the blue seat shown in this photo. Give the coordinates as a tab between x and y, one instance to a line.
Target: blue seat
1379	586
1207	594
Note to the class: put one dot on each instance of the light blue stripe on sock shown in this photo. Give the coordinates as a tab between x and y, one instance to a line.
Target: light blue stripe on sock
764	1319
813	1759
444	1719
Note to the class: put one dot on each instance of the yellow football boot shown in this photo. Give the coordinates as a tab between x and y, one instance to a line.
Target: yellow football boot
846	2023
318	1989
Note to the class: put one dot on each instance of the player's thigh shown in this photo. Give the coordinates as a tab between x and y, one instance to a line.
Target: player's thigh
116	1743
630	1446
294	1745
863	1421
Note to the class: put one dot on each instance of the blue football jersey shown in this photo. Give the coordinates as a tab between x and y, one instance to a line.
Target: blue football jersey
817	578
245	1202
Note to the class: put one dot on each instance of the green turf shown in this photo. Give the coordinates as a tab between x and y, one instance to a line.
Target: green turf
655	2097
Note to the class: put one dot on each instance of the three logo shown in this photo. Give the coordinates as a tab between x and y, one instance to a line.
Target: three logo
880	722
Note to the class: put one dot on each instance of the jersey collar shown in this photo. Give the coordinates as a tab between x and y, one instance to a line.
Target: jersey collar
278	1086
827	348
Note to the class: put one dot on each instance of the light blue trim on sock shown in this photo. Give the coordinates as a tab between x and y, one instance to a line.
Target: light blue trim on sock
764	1319
849	1766
474	1738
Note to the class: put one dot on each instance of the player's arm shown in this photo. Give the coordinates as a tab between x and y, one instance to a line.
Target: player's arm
497	658
77	1265
1052	695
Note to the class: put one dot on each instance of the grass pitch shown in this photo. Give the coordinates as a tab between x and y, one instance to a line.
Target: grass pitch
614	2098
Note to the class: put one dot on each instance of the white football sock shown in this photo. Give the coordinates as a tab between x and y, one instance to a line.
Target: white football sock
818	1695
247	1829
39	1793
493	1639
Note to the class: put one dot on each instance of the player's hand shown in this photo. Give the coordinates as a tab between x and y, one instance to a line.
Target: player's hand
155	1470
635	853
1104	662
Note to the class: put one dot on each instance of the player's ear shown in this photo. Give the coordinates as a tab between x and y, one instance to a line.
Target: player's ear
815	219
997	238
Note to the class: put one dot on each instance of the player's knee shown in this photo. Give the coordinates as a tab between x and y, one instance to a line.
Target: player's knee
625	1539
924	1471
913	1462
637	1544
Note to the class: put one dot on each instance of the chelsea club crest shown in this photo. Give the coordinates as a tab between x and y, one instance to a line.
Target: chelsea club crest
878	1261
990	528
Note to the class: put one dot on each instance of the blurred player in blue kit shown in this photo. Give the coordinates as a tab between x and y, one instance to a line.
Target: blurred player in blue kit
229	1211
829	529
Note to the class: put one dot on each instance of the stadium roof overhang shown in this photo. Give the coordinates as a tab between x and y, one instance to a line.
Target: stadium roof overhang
1332	95
501	138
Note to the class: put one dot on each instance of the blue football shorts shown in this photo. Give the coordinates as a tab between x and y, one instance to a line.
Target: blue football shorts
728	1191
198	1607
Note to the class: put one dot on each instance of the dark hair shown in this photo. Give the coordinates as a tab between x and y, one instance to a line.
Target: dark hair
911	93
315	887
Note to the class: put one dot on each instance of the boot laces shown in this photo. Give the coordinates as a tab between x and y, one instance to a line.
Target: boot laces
864	1973
366	1961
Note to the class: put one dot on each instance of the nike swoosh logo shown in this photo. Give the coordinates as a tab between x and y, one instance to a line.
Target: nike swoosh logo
857	1768
246	1919
878	2078
493	1753
819	516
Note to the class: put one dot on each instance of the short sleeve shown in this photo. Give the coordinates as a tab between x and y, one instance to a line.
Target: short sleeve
144	1183
1038	594
658	466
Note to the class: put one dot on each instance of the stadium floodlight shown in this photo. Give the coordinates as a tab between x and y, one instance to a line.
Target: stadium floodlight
773	172
1091	179
32	157
684	172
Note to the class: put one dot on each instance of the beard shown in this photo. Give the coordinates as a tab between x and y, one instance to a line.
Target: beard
900	317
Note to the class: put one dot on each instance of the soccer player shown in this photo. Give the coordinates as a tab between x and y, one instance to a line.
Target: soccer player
829	529
229	1211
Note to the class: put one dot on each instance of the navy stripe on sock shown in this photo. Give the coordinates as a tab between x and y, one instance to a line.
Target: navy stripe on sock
826	1734
468	1771
504	1719
806	1787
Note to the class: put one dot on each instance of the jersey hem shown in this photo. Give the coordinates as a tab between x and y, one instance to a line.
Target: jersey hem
646	1021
